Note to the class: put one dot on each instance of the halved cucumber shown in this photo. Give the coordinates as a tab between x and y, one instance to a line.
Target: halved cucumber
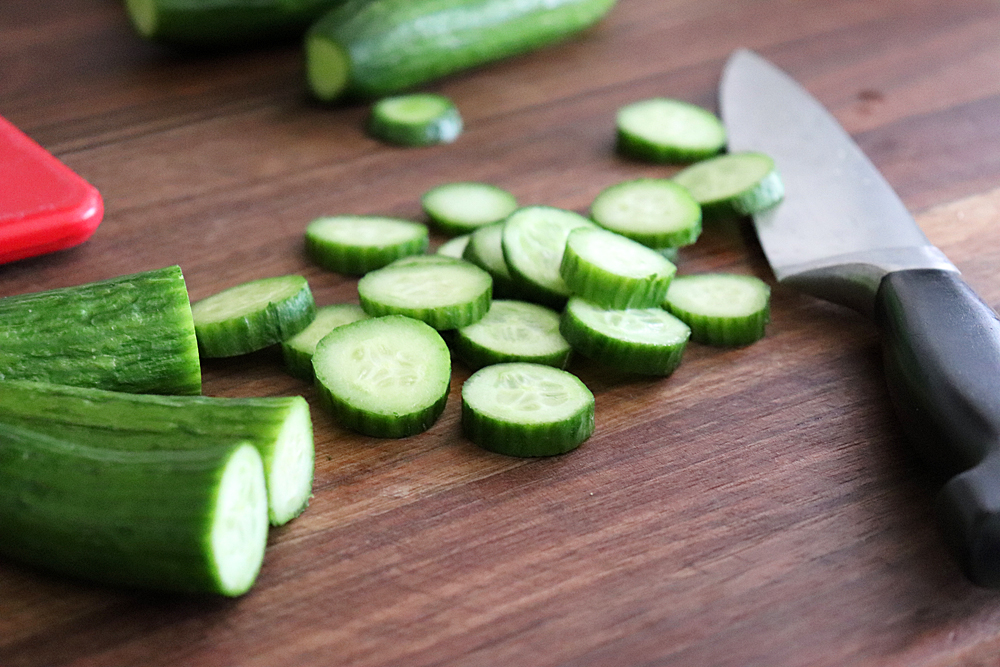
445	293
460	208
656	212
513	331
417	119
357	244
648	341
613	271
523	409
298	350
386	377
733	184
253	315
190	521
667	130
721	308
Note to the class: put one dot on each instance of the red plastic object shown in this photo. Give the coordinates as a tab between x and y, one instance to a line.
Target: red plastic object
44	205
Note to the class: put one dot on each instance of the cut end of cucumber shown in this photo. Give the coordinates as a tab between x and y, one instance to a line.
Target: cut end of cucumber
289	484
238	534
327	66
145	18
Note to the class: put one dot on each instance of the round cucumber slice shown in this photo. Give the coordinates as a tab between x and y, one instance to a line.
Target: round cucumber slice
733	184
667	130
298	350
534	239
386	377
460	208
253	315
523	409
613	271
416	119
357	244
445	293
454	247
513	331
647	341
485	250
656	212
721	308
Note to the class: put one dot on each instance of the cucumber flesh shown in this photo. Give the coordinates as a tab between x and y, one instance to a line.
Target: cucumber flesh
485	250
190	521
298	350
132	333
443	292
656	212
253	315
357	244
523	409
463	207
733	184
513	331
613	271
417	119
721	309
454	247
386	377
667	130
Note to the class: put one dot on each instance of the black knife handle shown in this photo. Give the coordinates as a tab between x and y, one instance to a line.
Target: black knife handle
941	347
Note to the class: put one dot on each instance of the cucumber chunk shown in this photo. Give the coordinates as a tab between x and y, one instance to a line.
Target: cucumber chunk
386	377
721	308
417	119
647	341
133	333
667	130
298	350
534	239
656	212
613	271
733	184
191	521
513	331
485	250
357	244
461	208
522	409
443	292
253	315
279	427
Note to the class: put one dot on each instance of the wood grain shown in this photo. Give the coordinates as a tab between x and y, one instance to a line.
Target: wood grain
758	507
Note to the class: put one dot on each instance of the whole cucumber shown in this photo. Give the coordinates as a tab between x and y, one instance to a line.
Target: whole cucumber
373	48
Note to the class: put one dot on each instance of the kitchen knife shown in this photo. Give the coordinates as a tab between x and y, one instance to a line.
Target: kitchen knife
842	234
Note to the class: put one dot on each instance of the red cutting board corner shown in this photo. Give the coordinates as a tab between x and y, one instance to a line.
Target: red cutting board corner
44	205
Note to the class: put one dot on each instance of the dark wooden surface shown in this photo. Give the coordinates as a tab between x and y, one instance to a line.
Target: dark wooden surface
759	507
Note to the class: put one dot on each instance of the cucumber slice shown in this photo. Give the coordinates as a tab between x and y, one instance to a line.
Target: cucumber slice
513	331
733	184
613	271
417	119
667	130
279	427
133	333
357	244
461	208
443	292
656	212
522	409
386	377
485	250
534	239
252	316
374	48
721	308
191	521
454	247
647	341
298	350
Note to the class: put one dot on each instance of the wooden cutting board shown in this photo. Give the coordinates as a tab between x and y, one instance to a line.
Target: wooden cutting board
758	507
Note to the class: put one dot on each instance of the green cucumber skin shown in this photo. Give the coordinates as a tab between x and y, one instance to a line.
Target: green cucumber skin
135	519
216	24
134	333
395	45
147	422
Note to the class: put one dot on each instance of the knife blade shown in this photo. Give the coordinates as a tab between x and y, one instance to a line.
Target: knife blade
842	234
